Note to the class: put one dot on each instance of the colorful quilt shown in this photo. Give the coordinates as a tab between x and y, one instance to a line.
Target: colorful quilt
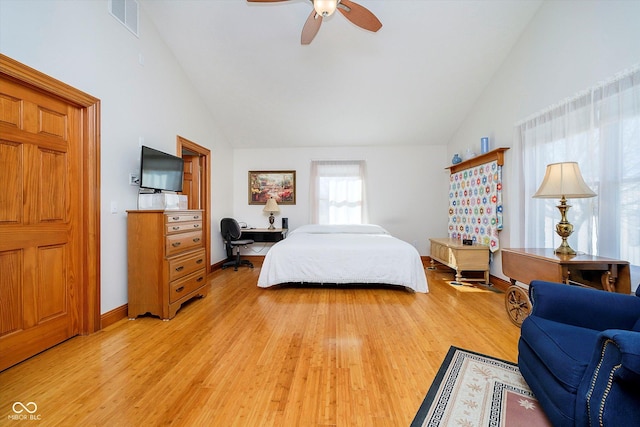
475	204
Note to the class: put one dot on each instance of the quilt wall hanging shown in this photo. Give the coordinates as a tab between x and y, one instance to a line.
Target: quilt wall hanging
475	203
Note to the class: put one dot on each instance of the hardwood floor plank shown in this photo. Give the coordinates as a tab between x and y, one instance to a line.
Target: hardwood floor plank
245	356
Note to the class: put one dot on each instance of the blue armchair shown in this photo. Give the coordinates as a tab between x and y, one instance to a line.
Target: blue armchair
579	351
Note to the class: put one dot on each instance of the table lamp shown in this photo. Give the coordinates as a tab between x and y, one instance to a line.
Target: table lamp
271	207
563	180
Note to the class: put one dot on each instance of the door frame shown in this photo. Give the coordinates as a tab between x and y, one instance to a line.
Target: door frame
89	292
205	189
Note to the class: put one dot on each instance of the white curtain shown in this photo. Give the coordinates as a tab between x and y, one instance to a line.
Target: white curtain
337	193
599	129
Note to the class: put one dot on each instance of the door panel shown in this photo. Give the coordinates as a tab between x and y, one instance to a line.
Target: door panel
10	177
40	221
191	180
10	291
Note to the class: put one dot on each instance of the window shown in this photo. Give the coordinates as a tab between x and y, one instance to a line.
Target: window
337	192
600	129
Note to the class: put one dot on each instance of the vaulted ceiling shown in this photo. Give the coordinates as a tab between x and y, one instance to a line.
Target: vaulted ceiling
412	82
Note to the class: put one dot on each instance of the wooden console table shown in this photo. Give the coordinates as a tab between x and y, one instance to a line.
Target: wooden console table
453	254
525	265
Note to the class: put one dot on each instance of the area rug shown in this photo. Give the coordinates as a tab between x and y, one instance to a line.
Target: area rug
474	390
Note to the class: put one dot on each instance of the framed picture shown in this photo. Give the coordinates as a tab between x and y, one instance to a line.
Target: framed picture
280	185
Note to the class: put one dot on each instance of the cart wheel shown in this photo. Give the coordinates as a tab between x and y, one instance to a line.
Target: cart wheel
517	304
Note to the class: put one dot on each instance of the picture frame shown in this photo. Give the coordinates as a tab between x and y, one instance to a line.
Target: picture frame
280	185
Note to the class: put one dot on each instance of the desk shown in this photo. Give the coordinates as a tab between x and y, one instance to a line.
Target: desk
525	265
264	234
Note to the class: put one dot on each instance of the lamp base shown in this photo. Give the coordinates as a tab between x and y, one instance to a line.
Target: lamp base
564	249
271	221
564	229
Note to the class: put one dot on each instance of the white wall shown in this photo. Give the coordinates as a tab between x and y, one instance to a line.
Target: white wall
81	44
569	46
406	187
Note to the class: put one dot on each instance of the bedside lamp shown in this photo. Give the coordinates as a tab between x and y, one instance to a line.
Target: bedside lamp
271	207
563	180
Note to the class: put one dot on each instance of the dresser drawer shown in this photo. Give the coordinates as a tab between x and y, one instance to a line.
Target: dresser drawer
183	287
177	243
182	217
182	265
181	227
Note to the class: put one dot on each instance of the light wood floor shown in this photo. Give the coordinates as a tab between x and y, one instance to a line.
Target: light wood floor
245	356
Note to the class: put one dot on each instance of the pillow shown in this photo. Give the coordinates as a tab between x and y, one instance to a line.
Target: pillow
340	229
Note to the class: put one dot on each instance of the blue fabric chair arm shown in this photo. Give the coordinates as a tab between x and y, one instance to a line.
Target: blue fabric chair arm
584	307
611	394
628	346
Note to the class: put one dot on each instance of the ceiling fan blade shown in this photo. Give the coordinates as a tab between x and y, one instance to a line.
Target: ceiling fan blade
359	15
311	27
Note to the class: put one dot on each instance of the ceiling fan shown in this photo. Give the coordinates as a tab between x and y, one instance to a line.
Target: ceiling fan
359	15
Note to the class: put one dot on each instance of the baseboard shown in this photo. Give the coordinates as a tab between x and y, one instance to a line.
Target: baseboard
499	283
256	260
112	316
217	266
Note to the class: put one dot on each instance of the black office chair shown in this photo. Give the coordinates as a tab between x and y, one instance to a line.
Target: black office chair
232	233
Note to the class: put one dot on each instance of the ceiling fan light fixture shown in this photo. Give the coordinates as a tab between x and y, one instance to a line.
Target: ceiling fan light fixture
325	8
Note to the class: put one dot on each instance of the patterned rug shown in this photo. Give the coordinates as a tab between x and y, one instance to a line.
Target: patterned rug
473	390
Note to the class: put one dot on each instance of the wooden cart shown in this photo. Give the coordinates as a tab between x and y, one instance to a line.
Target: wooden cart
524	265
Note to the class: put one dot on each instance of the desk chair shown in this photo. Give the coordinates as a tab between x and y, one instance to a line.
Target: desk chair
232	234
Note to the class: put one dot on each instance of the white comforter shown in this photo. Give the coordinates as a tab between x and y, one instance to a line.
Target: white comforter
343	254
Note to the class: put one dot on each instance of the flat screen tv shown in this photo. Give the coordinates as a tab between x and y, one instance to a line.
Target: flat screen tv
160	171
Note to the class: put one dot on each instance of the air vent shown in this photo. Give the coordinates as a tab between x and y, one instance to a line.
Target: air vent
125	11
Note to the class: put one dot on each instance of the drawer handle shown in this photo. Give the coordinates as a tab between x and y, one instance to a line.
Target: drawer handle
199	261
196	225
196	217
180	268
200	279
180	289
176	227
196	239
175	218
176	244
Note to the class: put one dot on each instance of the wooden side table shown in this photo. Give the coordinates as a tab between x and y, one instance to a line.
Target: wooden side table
453	254
525	264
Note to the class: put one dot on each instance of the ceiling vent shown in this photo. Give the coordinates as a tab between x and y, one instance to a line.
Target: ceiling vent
125	11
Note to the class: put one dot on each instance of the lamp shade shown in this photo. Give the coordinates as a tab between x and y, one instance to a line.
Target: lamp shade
325	8
563	180
271	206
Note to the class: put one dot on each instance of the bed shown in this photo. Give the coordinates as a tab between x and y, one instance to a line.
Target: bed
343	254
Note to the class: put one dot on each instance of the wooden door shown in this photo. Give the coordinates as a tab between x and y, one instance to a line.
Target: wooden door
191	180
41	253
198	184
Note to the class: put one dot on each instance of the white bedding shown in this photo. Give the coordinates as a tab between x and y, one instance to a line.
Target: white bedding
343	254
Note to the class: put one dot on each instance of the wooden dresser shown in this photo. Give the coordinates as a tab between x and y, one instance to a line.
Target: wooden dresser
166	261
453	254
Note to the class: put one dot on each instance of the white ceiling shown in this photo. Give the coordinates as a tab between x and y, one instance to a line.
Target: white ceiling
412	82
